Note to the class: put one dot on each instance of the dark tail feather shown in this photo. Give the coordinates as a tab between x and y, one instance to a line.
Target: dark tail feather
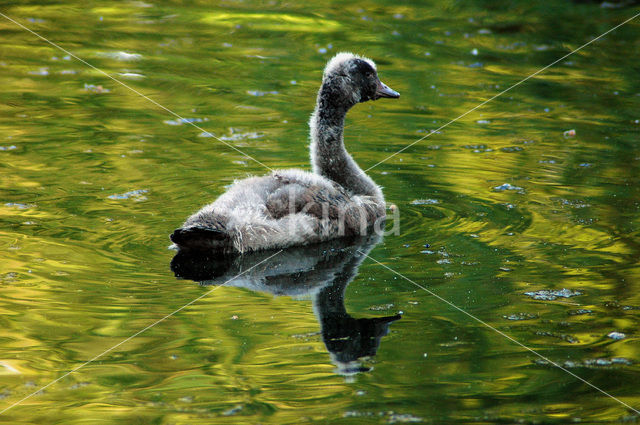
200	238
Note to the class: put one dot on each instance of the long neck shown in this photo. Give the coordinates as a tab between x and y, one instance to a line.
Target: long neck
328	154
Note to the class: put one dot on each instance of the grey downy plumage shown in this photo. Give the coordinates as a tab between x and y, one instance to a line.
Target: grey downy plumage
295	207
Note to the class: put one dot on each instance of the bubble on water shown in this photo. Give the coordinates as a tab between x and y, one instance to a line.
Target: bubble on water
19	205
507	186
242	136
356	414
121	56
137	195
521	316
78	385
181	121
616	335
478	148
574	203
590	363
579	312
608	362
512	149
570	339
92	88
42	72
132	75
381	307
405	418
550	295
425	202
234	410
260	93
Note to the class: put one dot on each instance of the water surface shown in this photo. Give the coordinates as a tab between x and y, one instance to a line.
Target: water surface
495	208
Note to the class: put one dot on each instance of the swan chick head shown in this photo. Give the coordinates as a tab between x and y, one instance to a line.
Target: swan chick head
355	79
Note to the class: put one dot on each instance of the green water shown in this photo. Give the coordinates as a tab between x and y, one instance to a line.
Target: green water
83	269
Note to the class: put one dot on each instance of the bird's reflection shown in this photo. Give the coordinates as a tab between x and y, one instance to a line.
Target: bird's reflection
320	271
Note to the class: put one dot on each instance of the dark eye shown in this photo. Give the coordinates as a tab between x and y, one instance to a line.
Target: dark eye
369	74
